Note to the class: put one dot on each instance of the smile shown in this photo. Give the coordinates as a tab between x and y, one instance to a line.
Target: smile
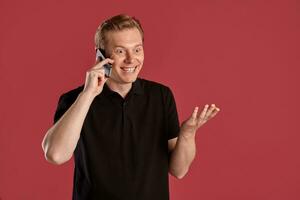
129	69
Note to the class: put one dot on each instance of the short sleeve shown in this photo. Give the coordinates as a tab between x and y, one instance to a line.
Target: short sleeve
65	101
171	115
62	107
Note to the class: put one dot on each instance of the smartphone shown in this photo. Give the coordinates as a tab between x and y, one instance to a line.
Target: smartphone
107	67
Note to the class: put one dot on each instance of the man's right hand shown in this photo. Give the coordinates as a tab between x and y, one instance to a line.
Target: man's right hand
95	78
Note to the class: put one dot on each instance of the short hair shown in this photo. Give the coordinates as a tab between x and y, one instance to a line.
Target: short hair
116	23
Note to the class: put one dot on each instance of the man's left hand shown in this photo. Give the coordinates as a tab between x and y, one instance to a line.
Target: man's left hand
190	126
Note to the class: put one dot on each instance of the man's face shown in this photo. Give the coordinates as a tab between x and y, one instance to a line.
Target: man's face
126	49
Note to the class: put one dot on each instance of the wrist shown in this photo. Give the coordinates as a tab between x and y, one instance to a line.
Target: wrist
188	135
87	96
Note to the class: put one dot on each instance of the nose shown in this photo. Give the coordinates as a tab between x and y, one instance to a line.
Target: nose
129	57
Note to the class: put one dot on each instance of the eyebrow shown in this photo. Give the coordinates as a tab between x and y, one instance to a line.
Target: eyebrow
125	47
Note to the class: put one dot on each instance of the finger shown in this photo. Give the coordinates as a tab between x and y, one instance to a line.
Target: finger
202	114
96	73
194	114
201	118
106	59
97	70
101	79
210	110
215	111
103	62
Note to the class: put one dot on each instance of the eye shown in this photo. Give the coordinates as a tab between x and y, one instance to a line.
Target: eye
137	50
119	51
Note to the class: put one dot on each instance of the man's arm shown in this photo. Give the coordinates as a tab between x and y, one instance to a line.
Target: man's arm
61	139
183	151
183	148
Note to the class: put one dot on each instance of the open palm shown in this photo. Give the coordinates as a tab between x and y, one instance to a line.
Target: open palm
196	120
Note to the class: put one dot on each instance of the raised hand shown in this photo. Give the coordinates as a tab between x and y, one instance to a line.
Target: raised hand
195	121
95	78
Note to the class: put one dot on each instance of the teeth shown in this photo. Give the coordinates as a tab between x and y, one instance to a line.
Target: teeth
129	69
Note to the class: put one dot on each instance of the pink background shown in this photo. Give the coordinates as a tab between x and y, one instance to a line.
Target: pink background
241	55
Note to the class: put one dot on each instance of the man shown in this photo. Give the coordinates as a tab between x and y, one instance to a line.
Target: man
123	130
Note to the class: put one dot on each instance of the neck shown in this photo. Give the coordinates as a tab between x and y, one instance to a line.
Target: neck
122	89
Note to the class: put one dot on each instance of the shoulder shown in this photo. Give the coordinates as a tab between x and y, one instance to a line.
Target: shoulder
157	91
71	95
152	86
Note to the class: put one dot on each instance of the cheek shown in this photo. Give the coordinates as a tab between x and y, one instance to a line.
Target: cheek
117	61
116	65
140	59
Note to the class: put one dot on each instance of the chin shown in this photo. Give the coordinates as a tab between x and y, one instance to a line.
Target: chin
129	80
124	78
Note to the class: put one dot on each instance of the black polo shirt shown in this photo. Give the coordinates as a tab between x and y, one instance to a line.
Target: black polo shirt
122	152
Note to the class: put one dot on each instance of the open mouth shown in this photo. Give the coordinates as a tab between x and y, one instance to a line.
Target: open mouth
129	69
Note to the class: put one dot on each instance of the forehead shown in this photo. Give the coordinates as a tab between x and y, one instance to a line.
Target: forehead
126	38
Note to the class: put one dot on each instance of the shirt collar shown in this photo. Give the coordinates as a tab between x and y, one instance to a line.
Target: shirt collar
136	88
